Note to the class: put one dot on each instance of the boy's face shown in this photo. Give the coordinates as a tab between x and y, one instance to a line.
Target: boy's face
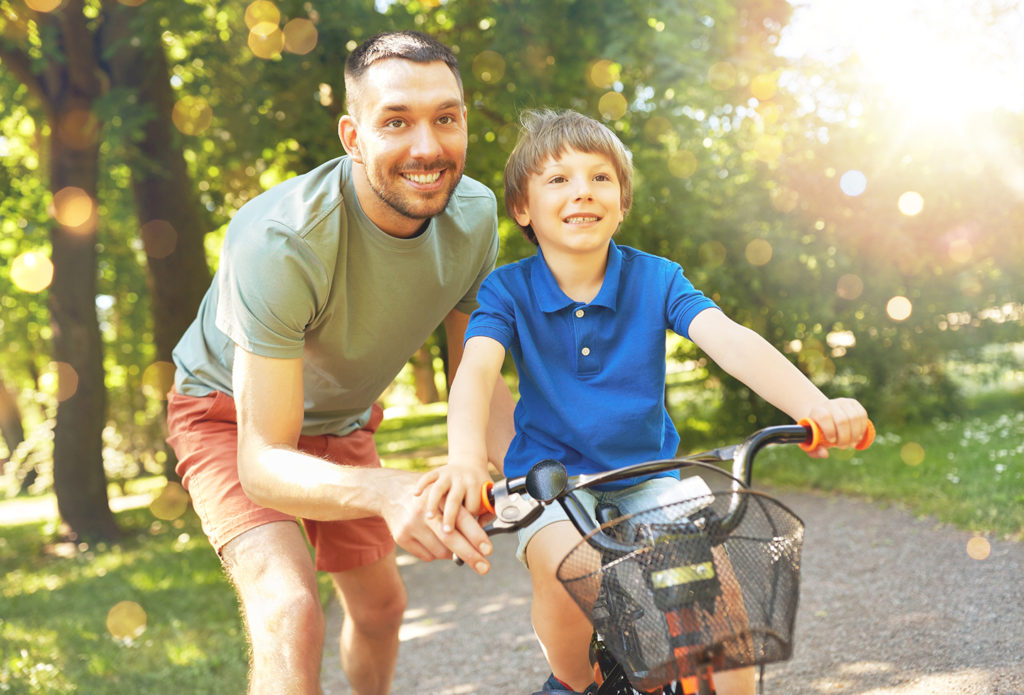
574	204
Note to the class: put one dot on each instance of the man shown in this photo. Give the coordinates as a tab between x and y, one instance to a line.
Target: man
327	284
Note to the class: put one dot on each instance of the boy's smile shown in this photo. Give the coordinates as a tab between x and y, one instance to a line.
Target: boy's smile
574	204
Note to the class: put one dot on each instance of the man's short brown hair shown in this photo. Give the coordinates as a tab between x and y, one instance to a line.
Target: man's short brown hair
408	45
547	134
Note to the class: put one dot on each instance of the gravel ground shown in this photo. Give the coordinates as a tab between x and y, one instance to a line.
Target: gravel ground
890	605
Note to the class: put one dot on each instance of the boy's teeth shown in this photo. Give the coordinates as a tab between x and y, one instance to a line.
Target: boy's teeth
424	178
580	220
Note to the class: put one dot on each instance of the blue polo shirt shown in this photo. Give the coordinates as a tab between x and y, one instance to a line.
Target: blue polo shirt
591	376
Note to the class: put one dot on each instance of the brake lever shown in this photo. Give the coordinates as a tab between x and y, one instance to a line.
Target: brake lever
512	511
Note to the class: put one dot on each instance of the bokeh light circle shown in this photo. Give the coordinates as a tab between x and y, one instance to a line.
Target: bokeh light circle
759	252
722	76
192	115
44	5
712	254
899	308
682	164
126	620
763	87
853	183
159	238
300	36
978	548
74	208
849	286
912	454
262	11
911	203
171	503
31	272
489	67
612	106
157	380
603	73
266	40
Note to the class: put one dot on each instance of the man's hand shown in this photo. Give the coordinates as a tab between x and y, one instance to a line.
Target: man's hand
405	513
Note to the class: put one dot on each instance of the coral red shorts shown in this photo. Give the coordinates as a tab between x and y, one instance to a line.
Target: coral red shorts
203	432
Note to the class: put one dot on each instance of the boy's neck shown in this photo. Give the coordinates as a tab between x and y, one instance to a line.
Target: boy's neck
579	276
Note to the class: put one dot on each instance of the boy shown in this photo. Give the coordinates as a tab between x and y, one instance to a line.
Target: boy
585	321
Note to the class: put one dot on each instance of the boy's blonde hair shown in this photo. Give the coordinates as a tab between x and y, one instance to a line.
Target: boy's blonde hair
547	134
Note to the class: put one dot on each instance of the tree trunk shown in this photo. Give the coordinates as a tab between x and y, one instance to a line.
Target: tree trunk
171	220
423	376
78	476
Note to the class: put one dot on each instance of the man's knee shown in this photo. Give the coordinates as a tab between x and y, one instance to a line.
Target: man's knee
380	613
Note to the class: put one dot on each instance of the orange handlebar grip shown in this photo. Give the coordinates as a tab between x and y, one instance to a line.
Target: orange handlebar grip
818	439
486	503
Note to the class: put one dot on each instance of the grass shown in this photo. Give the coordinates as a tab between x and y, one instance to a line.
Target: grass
967	472
55	600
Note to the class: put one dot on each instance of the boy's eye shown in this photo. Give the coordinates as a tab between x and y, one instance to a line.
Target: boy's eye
603	177
557	179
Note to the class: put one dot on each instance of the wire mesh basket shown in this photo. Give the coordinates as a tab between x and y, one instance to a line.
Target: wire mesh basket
716	586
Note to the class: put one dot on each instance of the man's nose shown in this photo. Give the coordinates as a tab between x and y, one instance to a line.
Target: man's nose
425	143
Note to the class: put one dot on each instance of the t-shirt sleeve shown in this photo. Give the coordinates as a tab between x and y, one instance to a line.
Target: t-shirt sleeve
271	286
684	301
469	301
495	317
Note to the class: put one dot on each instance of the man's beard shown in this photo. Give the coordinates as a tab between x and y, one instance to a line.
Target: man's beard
409	204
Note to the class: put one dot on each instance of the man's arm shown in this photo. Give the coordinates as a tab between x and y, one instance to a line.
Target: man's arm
274	473
500	423
754	361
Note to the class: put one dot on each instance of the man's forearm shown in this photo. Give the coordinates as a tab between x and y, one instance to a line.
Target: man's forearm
294	482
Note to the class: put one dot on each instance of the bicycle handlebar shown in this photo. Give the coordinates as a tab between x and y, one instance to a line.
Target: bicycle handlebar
548	481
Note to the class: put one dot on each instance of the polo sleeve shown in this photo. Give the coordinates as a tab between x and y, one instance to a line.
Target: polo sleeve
270	285
684	301
495	317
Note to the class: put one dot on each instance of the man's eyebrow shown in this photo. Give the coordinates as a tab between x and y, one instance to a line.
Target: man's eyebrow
403	108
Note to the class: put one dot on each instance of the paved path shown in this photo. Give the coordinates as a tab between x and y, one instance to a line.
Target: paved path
890	605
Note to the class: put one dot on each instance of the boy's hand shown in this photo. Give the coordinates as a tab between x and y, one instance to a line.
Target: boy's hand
457	484
843	422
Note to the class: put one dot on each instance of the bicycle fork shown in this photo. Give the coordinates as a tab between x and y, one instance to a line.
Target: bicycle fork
612	680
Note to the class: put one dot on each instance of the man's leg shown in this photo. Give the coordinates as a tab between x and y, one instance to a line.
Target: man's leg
273	573
373	598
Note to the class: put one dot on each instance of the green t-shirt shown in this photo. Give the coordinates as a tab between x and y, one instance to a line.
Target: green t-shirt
305	273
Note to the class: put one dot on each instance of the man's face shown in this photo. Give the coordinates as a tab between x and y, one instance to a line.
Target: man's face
409	134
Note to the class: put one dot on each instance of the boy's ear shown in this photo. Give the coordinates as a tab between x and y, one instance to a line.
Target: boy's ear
522	218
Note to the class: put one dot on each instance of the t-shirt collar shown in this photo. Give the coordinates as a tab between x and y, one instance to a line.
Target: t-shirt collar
550	296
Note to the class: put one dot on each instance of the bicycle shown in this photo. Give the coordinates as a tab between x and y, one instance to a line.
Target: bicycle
705	583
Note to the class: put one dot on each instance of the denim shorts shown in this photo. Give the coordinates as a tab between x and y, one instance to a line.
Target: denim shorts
649	494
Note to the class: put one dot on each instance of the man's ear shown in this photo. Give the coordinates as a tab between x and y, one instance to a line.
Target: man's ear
347	133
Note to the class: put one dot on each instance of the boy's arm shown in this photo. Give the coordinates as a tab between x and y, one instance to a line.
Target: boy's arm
469	415
754	361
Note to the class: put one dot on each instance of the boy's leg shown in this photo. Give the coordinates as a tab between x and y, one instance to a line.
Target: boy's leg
273	573
562	628
373	598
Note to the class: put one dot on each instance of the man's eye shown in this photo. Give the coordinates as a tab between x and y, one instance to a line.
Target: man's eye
446	120
397	123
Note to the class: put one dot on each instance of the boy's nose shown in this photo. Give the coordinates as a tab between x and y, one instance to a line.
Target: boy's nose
583	191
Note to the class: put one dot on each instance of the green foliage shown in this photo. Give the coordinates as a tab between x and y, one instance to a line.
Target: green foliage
738	155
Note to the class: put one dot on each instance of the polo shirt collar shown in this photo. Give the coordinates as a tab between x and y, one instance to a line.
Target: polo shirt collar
551	298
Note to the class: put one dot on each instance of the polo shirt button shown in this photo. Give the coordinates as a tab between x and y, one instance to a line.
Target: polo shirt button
579	313
585	351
